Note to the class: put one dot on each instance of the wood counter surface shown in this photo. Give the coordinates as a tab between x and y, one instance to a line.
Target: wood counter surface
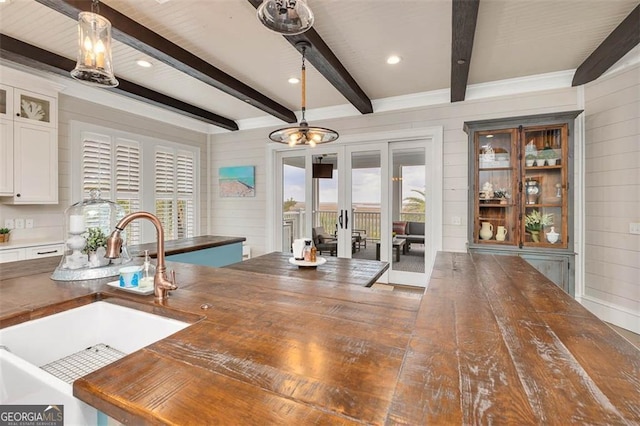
491	342
185	245
339	270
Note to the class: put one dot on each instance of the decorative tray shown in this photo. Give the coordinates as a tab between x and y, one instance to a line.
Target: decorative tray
136	290
319	261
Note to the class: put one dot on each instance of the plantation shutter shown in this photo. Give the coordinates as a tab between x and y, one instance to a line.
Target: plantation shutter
96	165
185	187
164	188
127	178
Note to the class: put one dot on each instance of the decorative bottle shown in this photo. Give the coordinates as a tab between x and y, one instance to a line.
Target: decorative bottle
148	271
313	257
306	252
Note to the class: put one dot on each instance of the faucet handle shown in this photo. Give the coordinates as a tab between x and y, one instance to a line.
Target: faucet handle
172	278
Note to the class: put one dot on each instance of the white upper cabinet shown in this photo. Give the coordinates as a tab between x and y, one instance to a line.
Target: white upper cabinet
28	147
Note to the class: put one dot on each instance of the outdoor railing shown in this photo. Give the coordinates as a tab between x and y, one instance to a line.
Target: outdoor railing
369	222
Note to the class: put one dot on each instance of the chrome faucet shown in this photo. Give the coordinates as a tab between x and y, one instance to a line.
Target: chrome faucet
161	284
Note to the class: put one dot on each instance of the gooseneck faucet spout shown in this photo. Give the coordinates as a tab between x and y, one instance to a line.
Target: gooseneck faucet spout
161	283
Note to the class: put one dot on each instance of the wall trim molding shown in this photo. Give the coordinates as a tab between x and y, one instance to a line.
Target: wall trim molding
612	313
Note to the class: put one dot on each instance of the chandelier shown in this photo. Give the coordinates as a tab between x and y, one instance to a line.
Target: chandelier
288	17
94	49
303	134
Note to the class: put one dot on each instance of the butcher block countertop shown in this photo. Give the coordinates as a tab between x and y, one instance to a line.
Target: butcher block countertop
185	245
338	270
490	342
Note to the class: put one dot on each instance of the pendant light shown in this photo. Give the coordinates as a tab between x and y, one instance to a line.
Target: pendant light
288	17
94	49
303	134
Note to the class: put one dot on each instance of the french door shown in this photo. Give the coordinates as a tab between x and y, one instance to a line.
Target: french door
356	198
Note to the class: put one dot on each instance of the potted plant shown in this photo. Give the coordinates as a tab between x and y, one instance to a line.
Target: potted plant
529	159
95	247
4	235
550	155
535	221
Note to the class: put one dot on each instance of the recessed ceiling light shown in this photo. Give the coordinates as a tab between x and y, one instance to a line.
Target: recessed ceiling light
294	80
393	59
143	63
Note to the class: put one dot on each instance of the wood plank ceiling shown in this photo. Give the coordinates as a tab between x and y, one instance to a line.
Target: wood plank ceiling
464	17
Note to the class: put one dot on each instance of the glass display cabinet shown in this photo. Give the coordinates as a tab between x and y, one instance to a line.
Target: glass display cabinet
520	197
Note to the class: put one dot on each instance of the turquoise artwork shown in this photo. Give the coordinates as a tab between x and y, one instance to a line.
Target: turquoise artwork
237	181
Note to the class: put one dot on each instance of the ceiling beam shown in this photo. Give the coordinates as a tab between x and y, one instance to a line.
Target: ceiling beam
463	25
327	64
139	37
625	37
26	54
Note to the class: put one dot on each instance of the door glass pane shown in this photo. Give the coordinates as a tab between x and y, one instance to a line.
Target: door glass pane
3	101
366	183
408	210
293	200
325	203
34	108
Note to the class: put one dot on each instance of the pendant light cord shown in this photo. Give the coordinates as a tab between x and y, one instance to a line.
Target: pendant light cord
304	83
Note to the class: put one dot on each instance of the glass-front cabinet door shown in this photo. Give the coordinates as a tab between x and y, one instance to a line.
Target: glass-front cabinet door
34	108
544	186
495	218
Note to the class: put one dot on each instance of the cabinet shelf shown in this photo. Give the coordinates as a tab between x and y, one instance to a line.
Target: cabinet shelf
535	206
495	169
536	168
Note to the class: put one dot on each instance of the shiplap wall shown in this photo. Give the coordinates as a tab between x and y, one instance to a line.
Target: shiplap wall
246	216
48	219
612	197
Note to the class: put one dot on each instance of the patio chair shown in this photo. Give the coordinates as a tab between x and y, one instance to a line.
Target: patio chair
324	241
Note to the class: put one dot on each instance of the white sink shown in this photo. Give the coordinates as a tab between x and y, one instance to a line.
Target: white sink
39	342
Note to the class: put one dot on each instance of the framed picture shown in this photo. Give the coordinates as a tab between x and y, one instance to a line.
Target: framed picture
237	181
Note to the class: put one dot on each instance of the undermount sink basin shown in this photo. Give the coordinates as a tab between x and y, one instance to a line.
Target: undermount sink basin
34	344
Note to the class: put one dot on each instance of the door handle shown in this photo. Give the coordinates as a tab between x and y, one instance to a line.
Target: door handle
346	219
340	219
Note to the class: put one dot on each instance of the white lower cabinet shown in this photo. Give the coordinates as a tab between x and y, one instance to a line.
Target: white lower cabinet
34	252
11	255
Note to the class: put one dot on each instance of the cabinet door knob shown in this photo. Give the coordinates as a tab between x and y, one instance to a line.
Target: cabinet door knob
17	195
17	114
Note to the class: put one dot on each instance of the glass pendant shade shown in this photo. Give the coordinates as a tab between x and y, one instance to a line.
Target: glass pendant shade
303	135
288	17
94	65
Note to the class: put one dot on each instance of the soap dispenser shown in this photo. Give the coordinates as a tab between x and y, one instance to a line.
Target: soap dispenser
148	271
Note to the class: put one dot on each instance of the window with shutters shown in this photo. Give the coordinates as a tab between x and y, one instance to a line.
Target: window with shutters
174	189
113	167
140	173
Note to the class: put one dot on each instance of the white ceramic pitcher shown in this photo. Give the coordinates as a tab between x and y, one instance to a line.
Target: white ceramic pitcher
501	233
486	231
